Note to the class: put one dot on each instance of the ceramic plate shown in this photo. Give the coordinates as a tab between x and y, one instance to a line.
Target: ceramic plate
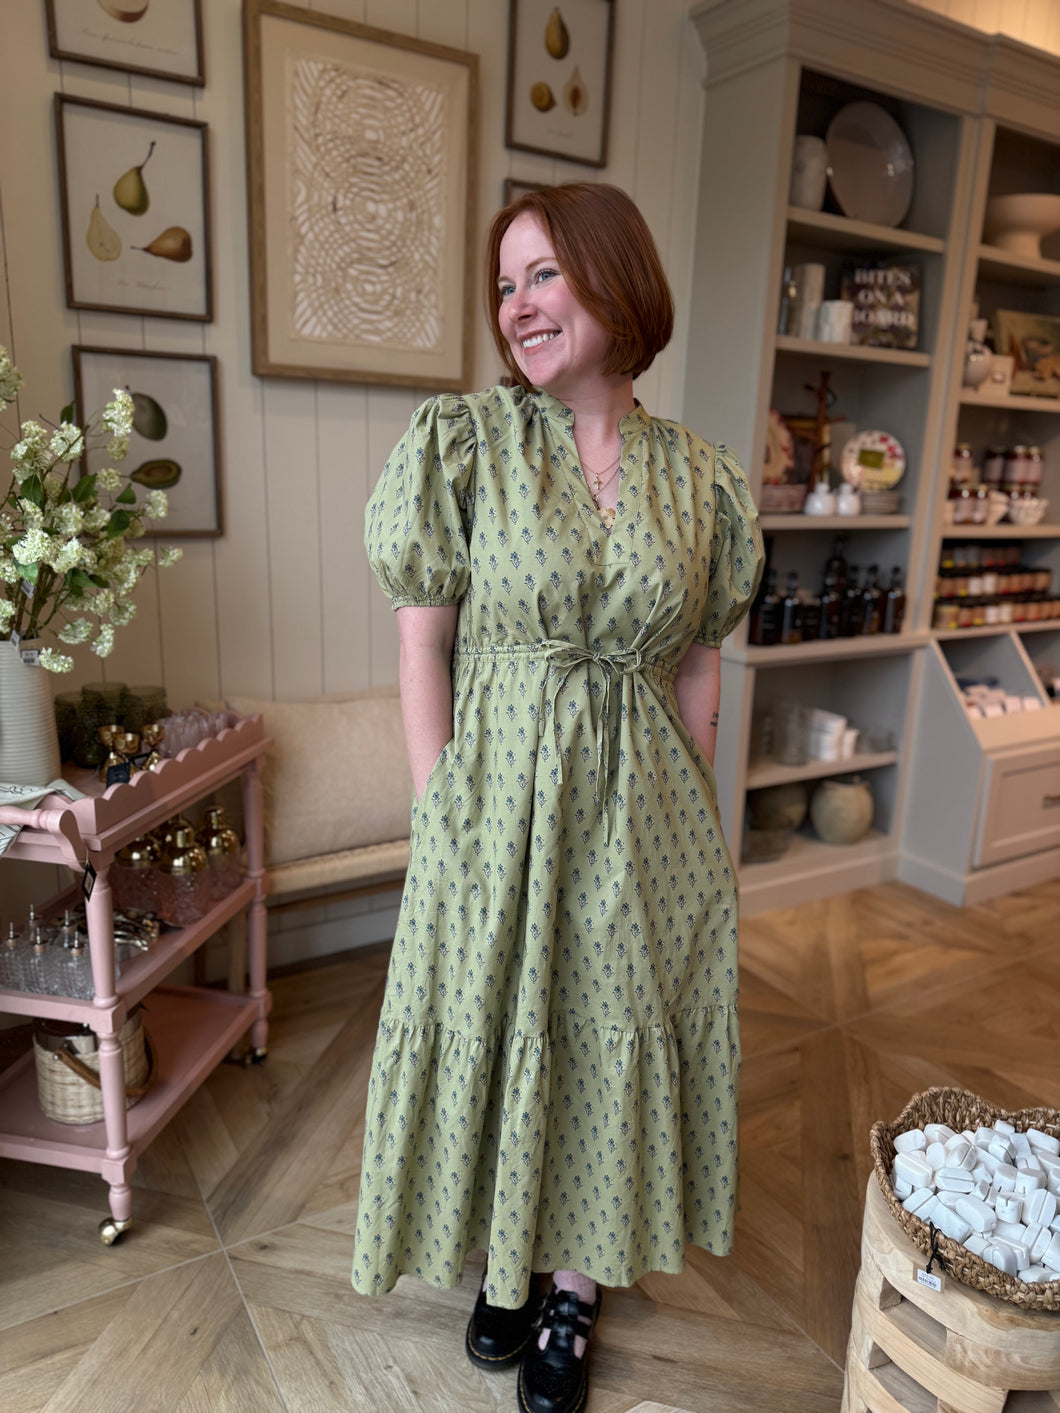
873	461
870	164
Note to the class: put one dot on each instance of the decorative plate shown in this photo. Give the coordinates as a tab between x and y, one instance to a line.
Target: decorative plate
873	461
870	164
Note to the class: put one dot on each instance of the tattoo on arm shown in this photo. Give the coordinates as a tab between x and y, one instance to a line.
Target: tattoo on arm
714	719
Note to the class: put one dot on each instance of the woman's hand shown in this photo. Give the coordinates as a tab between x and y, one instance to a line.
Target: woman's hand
697	687
425	676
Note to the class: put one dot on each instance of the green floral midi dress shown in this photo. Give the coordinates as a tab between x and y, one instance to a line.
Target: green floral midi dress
555	1073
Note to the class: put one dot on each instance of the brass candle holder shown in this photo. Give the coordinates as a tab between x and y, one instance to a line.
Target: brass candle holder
151	737
121	746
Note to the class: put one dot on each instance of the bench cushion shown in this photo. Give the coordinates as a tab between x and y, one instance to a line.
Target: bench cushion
338	776
352	868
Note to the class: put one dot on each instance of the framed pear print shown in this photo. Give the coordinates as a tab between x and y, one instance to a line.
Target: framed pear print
163	40
134	192
559	78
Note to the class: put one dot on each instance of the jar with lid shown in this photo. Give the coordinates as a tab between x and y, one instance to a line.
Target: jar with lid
946	614
135	877
994	466
1032	477
223	854
962	470
1014	473
184	887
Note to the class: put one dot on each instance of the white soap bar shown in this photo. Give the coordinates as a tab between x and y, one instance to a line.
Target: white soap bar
919	1198
1005	1177
1003	1257
930	1210
1011	1231
1001	1149
981	1189
983	1137
1045	1141
911	1141
952	1225
948	1199
1003	1126
1021	1144
953	1180
1009	1207
1028	1163
988	1161
915	1168
1040	1207
902	1189
938	1133
1040	1241
935	1153
1020	1254
977	1214
956	1148
1028	1181
1050	1165
976	1244
1030	1274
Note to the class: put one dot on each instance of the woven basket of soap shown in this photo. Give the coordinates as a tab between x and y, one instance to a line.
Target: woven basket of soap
979	1187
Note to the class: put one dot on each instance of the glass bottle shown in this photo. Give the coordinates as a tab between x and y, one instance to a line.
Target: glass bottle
12	962
894	605
74	972
849	613
791	612
837	564
135	877
871	596
831	607
765	613
183	892
223	854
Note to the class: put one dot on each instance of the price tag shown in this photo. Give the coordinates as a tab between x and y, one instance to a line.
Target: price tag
928	1279
88	879
28	588
30	656
119	774
16	638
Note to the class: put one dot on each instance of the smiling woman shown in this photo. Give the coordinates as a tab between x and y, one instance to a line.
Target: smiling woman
555	1073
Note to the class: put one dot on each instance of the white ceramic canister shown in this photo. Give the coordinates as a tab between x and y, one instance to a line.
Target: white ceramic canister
809	173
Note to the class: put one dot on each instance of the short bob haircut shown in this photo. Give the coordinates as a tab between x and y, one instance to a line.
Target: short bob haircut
607	256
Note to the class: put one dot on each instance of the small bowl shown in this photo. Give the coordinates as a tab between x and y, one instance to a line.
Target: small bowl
1027	512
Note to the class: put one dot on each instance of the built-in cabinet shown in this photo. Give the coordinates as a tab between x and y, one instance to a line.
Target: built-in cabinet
982	115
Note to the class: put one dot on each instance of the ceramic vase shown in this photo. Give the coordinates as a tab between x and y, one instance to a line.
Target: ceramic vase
841	810
809	173
29	741
976	364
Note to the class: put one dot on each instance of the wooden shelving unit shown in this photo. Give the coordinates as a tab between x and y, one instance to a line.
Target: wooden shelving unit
797	68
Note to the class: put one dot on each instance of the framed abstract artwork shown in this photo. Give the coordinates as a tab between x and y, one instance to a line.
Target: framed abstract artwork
361	146
134	193
163	40
176	438
559	78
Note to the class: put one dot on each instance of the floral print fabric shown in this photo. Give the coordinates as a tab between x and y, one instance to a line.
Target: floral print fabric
555	1073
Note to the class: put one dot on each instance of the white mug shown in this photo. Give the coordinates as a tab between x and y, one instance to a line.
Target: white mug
809	173
835	319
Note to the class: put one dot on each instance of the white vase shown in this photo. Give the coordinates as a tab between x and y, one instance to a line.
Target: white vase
29	742
809	173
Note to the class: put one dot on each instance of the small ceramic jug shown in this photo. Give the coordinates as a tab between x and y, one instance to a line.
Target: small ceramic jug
820	501
976	364
847	501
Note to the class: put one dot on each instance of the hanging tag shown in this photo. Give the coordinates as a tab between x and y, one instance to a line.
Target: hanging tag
30	656
16	638
928	1279
28	588
88	879
119	774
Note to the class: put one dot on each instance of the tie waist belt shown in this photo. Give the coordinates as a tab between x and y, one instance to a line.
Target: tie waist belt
610	667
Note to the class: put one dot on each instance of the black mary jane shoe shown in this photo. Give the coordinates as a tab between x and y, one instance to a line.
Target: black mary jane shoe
497	1338
553	1380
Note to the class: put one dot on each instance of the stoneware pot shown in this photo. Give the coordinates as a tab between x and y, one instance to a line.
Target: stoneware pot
29	742
841	810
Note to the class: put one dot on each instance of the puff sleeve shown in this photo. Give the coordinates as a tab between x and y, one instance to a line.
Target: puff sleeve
736	553
416	524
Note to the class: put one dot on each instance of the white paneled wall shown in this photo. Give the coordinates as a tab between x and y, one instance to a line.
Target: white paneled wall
284	605
1034	22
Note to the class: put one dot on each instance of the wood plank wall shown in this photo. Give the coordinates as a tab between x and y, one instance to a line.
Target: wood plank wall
1034	22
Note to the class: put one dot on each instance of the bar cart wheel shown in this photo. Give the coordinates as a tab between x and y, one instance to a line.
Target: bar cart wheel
256	1057
110	1229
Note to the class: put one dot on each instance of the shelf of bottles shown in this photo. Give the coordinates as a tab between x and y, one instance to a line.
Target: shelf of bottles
850	603
994	585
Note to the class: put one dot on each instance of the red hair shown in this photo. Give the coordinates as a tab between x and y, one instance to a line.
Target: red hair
607	256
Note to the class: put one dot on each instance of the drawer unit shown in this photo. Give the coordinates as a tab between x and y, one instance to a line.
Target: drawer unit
1020	812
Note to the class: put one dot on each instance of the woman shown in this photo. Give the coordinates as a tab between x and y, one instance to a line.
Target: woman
554	1078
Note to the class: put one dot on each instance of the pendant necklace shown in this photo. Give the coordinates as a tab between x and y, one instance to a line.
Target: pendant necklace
602	478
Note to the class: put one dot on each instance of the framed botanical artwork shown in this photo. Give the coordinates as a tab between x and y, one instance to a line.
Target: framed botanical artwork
559	78
163	40
1033	342
176	438
514	189
361	147
134	191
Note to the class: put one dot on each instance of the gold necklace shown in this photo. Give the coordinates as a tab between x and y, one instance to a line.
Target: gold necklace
602	478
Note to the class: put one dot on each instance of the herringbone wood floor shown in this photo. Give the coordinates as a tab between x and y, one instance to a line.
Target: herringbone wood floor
232	1290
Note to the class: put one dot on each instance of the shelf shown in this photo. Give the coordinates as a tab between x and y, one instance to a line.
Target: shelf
876	645
841	233
1013	269
950	634
807	853
1001	532
836	522
190	1028
859	353
760	776
138	975
970	398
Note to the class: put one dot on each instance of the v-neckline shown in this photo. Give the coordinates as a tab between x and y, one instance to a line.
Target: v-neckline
629	425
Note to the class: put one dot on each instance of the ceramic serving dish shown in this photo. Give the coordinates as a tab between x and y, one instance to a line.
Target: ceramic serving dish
1017	223
870	164
1027	512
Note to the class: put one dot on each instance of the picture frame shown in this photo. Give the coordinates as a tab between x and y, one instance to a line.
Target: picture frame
176	429
160	41
513	189
134	243
559	78
362	154
1032	341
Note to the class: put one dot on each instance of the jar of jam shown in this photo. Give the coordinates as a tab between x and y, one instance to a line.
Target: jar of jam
945	615
994	465
962	472
1032	477
1014	472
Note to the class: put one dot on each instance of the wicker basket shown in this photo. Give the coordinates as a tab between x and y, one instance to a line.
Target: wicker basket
782	500
67	1059
960	1110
